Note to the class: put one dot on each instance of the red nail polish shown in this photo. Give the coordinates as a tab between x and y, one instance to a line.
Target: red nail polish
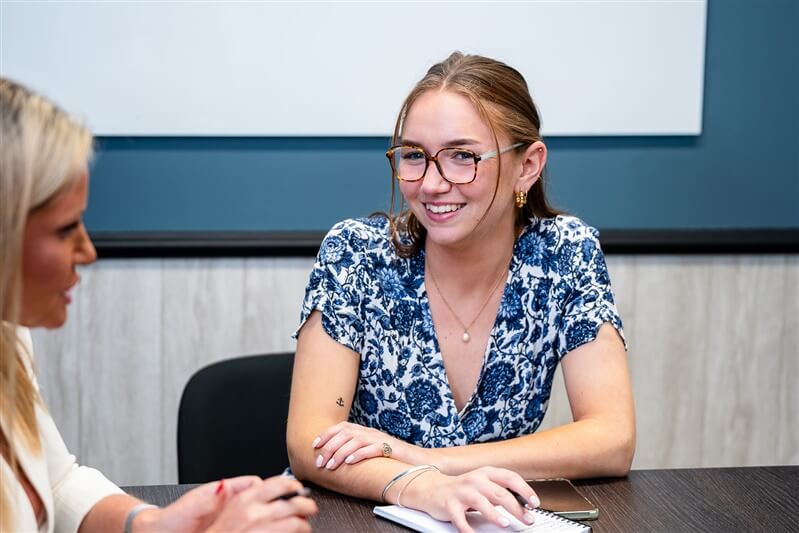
220	487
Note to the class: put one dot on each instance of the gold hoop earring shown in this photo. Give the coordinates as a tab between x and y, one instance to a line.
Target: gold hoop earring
521	198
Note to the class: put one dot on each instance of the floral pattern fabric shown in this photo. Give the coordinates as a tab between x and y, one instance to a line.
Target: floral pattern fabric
372	301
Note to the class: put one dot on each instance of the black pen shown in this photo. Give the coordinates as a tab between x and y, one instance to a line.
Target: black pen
522	501
305	491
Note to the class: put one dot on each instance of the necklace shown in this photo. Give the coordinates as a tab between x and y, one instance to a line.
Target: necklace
466	337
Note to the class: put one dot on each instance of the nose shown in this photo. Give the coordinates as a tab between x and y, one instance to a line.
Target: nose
433	182
85	252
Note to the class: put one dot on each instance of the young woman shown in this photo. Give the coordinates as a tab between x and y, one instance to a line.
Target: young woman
429	340
43	193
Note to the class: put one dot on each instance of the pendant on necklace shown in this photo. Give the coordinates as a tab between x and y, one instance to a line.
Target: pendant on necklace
466	336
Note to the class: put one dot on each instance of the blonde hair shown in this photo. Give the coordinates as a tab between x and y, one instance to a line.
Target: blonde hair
42	150
501	96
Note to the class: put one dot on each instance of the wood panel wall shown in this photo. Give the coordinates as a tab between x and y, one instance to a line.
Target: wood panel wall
713	351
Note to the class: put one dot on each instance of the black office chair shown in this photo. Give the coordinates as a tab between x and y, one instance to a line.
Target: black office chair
232	419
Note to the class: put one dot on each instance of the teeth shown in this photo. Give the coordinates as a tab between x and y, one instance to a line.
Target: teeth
443	208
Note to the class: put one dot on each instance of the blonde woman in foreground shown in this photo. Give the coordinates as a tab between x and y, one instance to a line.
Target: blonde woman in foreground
43	193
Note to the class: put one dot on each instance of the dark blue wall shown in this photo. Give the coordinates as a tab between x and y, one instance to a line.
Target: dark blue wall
742	172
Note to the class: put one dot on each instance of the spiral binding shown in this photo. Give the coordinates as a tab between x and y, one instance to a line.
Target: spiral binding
562	518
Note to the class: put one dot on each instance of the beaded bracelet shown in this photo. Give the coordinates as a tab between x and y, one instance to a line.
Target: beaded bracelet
402	475
405	486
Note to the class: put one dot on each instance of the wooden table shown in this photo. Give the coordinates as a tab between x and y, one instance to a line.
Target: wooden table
706	499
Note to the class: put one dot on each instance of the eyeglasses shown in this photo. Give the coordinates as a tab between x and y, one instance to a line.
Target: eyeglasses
456	165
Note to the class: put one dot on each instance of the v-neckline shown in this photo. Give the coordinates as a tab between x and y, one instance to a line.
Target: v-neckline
424	300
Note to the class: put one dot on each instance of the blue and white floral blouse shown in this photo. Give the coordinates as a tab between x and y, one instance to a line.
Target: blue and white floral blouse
375	303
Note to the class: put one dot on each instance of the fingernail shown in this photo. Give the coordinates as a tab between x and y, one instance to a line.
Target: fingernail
220	487
504	522
319	461
316	442
330	464
529	517
349	459
534	501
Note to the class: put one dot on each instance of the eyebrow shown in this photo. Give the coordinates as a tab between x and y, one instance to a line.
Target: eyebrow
69	226
452	143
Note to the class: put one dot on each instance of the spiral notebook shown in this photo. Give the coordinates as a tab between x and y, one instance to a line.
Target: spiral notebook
545	522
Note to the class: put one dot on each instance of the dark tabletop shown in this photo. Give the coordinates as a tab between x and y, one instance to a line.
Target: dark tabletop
705	499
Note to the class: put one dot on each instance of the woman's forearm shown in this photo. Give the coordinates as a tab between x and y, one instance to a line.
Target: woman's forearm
365	479
582	449
109	514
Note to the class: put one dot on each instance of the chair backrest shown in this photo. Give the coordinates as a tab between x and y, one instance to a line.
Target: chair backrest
232	419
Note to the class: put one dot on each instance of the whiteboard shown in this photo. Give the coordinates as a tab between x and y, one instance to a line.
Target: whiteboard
595	67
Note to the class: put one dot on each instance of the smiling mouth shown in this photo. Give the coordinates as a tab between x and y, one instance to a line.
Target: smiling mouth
445	208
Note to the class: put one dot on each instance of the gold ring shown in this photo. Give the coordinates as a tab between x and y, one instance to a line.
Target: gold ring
386	449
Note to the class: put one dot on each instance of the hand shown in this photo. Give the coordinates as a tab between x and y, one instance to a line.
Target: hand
448	498
347	443
235	504
195	510
256	509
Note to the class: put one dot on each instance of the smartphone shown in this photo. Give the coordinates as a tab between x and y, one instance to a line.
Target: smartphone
562	498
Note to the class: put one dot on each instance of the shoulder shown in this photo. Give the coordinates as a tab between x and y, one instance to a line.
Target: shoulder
556	243
565	228
552	234
355	236
364	226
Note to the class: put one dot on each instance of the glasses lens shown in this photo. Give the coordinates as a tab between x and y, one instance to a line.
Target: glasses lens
458	164
408	162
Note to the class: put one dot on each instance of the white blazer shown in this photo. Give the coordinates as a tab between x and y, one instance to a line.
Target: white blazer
67	490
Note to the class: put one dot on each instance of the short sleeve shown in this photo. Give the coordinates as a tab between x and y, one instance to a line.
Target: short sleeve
76	488
337	286
589	302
